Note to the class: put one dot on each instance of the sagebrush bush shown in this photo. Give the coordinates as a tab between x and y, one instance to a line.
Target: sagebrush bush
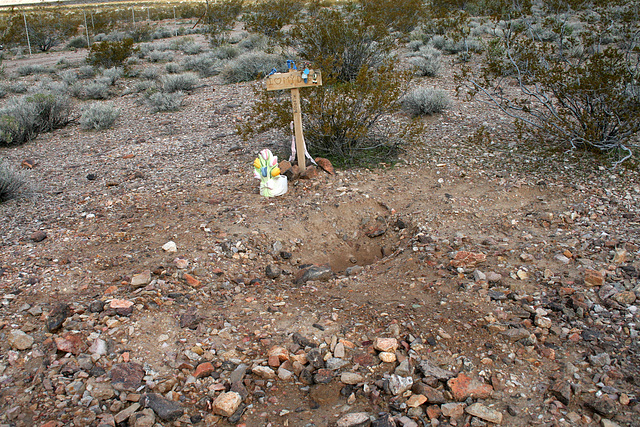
191	48
250	66
163	101
184	82
163	33
86	72
268	18
138	87
254	42
99	116
425	101
160	56
3	91
77	43
23	118
173	68
27	70
12	182
68	76
151	73
111	75
17	87
91	90
427	61
205	64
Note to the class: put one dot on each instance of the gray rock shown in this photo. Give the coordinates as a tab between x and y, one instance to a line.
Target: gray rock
141	280
20	340
351	378
516	334
398	384
144	418
320	273
166	409
238	374
404	369
431	370
272	271
334	363
57	316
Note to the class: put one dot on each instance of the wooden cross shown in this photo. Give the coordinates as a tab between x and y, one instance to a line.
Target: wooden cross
294	80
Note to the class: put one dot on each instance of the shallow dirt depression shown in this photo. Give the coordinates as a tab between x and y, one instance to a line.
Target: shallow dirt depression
342	235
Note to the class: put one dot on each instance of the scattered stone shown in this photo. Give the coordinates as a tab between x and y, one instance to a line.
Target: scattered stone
123	415
351	378
431	370
387	357
407	422
467	259
141	280
190	320
57	316
303	341
357	419
71	343
398	385
593	278
485	413
126	376
625	297
167	410
463	387
385	420
603	405
264	372
181	263
20	340
561	389
386	344
416	400
334	363
453	410
204	370
272	271
325	165
320	273
515	334
339	351
170	246
144	418
38	236
433	395
192	280
323	376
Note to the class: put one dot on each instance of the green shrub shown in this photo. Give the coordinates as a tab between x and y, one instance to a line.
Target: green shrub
425	101
179	82
92	90
86	72
99	116
173	68
160	56
68	76
162	101
402	16
22	119
110	76
151	73
250	66
109	54
191	48
12	182
268	18
77	43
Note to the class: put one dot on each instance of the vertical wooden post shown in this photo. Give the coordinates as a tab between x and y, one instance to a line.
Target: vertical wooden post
297	125
26	28
86	28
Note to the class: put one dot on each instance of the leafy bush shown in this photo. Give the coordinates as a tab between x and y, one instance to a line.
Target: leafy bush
22	119
12	182
46	28
426	61
77	43
99	116
268	18
402	16
586	97
179	82
109	54
162	101
341	44
425	101
250	66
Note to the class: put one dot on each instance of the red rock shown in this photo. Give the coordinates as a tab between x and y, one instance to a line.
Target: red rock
364	359
274	361
467	259
204	370
433	412
593	278
71	343
463	387
39	236
311	172
126	376
284	166
120	303
192	281
326	165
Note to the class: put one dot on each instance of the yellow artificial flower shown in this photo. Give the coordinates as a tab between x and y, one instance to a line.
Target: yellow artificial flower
275	171
256	163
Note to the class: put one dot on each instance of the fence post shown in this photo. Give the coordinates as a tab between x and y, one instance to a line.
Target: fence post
26	29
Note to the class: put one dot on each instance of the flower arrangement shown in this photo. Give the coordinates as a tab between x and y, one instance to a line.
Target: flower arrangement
267	171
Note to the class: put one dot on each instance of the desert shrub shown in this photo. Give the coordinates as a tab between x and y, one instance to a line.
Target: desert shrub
585	97
46	28
163	101
86	72
27	70
220	18
415	45
425	101
250	66
402	16
184	82
205	64
191	48
111	75
17	87
77	43
341	44
162	33
268	18
68	76
347	122
151	73
3	91
109	54
427	61
138	87
99	116
160	56
225	52
173	68
254	42
12	182
139	33
23	118
91	90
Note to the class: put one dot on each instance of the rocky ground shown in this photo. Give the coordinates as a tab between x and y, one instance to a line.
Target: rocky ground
475	283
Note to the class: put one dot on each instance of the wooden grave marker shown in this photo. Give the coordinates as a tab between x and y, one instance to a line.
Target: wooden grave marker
293	79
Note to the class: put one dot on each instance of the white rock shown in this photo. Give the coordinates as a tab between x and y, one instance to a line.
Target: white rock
351	378
170	246
264	372
387	357
227	403
398	384
354	419
487	414
386	344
